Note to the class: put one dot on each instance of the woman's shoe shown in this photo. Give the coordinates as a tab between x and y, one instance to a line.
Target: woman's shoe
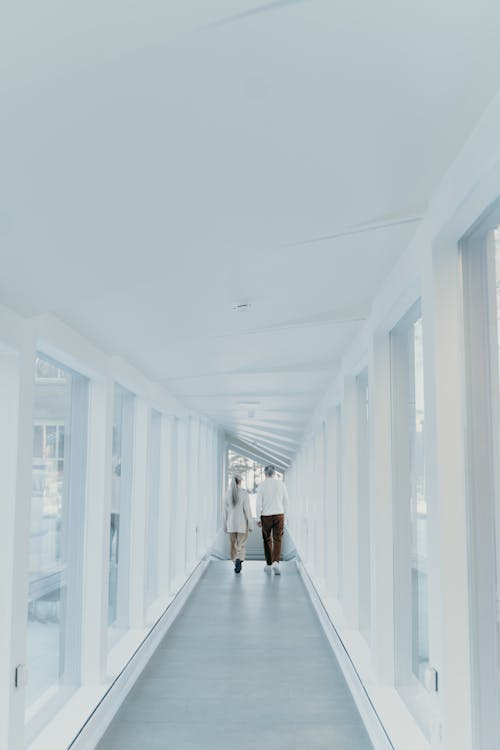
237	565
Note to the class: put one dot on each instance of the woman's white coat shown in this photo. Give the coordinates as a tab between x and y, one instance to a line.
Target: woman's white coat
237	518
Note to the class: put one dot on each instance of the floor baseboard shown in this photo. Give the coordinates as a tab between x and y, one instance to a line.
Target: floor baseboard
369	716
98	722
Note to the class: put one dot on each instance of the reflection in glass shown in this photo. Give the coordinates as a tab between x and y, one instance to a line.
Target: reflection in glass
418	509
119	528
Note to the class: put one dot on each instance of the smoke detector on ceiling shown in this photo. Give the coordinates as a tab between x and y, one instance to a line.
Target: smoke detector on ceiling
241	306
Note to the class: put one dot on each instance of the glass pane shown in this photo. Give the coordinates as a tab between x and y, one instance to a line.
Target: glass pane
38	441
411	611
250	472
153	511
45	658
54	536
418	510
119	538
364	506
496	239
60	441
340	533
47	370
496	236
50	441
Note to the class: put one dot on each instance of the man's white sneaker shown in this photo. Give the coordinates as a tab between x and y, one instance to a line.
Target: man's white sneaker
276	568
268	568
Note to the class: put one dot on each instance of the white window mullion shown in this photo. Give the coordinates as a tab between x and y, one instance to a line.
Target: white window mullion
76	446
364	519
382	615
96	544
481	346
11	648
173	503
349	505
164	507
339	538
139	507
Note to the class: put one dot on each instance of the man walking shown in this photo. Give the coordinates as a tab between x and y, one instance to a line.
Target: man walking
272	500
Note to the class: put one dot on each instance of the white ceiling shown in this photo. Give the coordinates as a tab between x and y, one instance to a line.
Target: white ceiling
162	160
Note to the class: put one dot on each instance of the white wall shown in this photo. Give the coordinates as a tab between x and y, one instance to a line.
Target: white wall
187	513
430	270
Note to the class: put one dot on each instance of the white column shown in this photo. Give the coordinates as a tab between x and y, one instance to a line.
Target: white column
181	501
305	531
139	506
331	500
96	543
174	503
448	542
203	485
316	509
319	506
9	408
299	507
21	540
350	504
164	510
325	530
381	511
194	466
216	481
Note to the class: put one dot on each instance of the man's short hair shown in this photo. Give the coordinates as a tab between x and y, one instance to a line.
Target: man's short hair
269	470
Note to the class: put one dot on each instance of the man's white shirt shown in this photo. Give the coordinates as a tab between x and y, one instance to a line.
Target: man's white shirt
272	498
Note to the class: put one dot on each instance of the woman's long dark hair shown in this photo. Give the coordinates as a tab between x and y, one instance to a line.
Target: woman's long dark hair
234	489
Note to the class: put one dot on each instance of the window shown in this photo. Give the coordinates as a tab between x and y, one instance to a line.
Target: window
480	256
340	536
363	470
410	508
121	494
56	535
250	472
153	510
46	370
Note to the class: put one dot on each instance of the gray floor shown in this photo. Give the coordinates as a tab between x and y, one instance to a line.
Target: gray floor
246	664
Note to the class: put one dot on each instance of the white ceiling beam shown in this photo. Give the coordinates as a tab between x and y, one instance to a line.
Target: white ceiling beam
252	452
268	447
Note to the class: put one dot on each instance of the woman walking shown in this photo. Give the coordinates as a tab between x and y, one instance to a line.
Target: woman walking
238	521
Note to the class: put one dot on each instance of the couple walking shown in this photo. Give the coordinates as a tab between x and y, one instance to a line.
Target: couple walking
272	499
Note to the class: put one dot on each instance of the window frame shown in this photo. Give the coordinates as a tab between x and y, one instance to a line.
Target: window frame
339	457
482	397
73	520
119	625
151	587
363	502
411	689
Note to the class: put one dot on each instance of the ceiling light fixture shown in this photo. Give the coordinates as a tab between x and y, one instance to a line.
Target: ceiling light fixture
241	306
248	403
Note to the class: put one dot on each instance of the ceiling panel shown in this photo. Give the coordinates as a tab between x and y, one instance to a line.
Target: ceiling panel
162	161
